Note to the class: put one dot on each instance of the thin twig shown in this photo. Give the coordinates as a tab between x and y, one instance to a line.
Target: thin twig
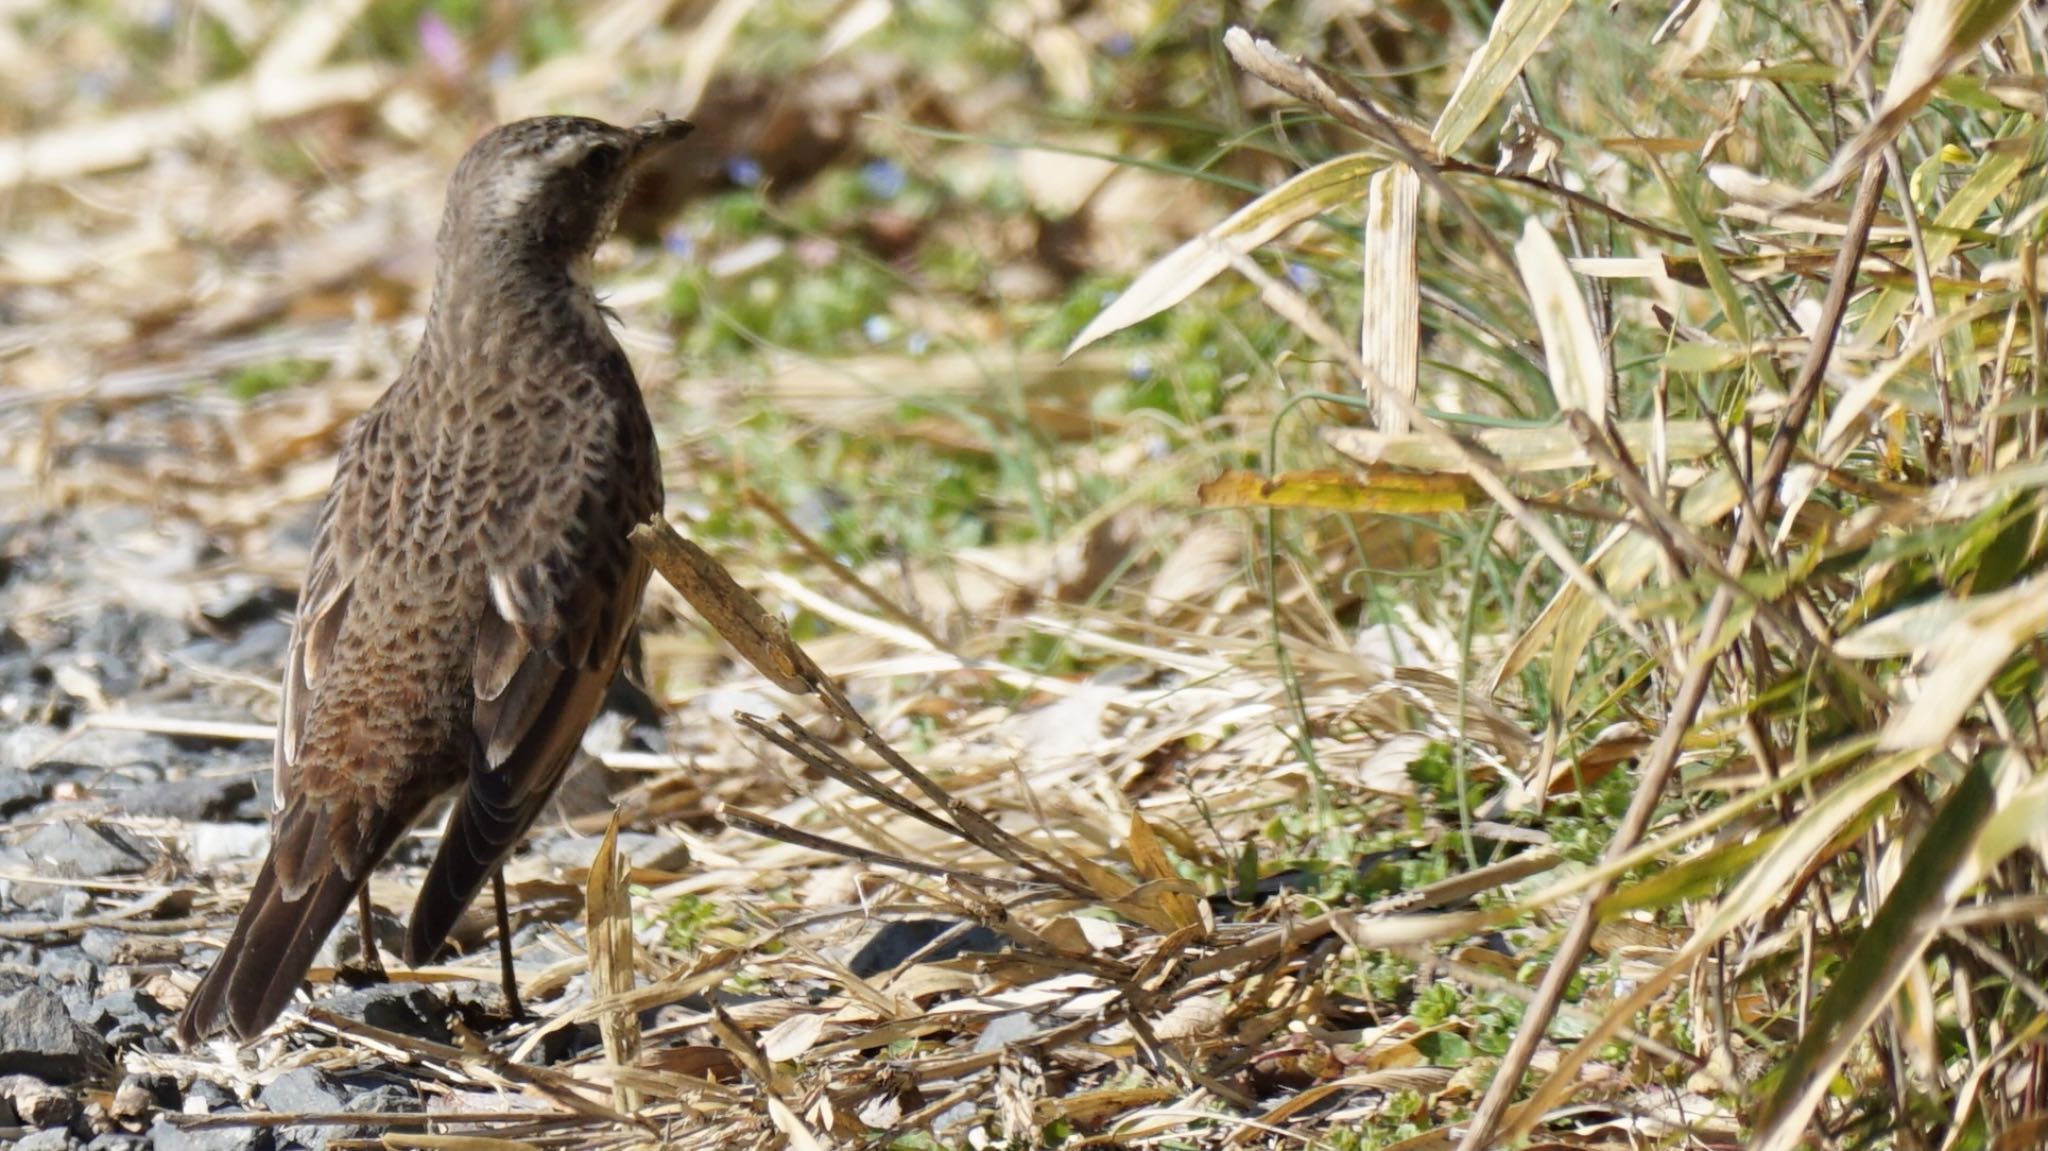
1692	690
831	563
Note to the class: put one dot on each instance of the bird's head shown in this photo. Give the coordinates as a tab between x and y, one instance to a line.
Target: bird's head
549	186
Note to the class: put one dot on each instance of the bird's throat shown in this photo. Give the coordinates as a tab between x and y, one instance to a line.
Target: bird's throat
514	321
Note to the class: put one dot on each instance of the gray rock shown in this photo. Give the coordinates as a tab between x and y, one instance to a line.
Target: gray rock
81	850
259	649
36	1103
24	744
71	974
382	1097
166	1135
656	852
265	802
211	1095
21	791
207	843
949	1125
107	749
897	940
126	1018
19	894
117	630
303	1090
118	1141
50	1139
308	1091
407	1008
243	600
38	1037
85	677
200	798
102	945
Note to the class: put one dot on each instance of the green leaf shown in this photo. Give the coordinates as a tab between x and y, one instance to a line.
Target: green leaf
1940	870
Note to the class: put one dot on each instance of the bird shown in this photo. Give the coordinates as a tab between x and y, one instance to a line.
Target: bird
470	589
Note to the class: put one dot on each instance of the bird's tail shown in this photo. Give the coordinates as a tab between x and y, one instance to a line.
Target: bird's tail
472	848
267	957
304	889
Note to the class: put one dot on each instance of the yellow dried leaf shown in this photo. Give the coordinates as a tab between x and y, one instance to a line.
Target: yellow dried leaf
1168	890
1380	490
608	917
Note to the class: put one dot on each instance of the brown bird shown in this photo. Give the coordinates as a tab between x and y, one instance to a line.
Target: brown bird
471	588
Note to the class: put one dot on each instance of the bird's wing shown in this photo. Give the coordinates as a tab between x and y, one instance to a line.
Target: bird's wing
564	583
546	651
339	541
565	615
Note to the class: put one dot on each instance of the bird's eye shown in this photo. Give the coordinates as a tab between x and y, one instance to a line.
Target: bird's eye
601	160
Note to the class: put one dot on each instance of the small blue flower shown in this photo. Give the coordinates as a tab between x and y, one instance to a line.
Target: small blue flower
678	242
1140	367
882	178
1303	277
1118	45
743	170
503	66
918	344
878	329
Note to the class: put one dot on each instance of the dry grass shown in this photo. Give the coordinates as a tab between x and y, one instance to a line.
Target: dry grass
1302	826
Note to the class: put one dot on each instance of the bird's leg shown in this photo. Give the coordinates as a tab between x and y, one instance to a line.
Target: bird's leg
373	967
505	972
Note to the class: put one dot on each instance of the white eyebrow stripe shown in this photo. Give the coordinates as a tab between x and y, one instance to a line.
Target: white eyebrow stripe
565	146
510	194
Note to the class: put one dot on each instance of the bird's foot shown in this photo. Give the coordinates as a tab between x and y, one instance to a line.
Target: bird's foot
368	973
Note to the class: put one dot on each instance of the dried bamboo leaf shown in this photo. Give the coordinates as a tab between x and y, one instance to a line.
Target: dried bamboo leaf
230	107
1520	451
1564	611
792	1037
1571	348
427	1141
1381	490
608	919
1578	623
1390	322
1208	559
1149	859
1960	645
1519	27
1174	278
1939	36
756	633
761	825
1997	167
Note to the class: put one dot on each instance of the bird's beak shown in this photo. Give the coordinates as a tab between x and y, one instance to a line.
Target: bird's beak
657	135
